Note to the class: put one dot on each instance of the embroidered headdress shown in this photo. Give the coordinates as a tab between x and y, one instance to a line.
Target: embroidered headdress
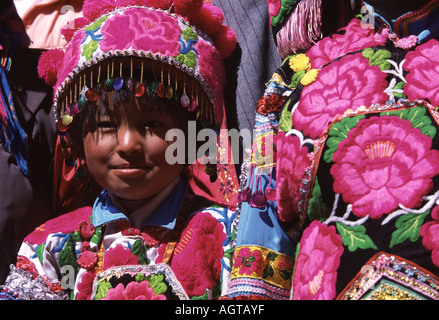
181	42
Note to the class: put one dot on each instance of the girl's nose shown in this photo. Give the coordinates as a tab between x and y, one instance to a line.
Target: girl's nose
129	141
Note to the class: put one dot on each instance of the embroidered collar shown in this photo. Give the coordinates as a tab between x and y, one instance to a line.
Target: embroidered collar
423	23
105	211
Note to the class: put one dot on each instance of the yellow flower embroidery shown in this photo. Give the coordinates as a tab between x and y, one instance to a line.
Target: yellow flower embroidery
300	62
310	77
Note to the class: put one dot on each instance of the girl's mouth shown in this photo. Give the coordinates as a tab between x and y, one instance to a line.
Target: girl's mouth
129	170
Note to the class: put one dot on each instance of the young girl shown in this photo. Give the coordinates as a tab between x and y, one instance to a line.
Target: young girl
128	76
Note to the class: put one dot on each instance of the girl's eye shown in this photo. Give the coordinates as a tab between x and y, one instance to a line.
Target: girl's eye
153	124
106	125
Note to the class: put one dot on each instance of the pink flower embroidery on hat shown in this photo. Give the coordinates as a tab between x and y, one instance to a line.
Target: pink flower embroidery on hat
139	29
71	57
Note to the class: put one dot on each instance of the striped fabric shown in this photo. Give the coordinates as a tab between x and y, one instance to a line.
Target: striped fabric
253	63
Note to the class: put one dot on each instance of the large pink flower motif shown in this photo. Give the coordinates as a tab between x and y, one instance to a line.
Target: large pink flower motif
345	84
71	57
119	256
197	257
133	291
430	235
423	67
248	261
354	39
292	161
315	273
142	30
66	223
382	163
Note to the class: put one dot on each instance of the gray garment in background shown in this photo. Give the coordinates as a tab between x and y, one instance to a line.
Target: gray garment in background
253	62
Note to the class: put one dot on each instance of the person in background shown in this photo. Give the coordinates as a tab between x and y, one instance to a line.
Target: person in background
27	138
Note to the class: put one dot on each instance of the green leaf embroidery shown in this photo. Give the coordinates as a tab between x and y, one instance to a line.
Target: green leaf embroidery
138	249
75	236
407	227
285	8
338	132
96	24
188	59
189	33
140	277
229	253
355	237
248	261
89	48
399	86
285	122
268	271
295	80
39	252
97	236
285	274
102	290
378	58
156	283
417	116
68	256
271	256
317	210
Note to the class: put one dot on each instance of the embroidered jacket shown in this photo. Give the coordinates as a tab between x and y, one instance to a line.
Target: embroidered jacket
95	253
355	173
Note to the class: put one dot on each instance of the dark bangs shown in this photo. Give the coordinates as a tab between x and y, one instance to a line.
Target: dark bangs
108	100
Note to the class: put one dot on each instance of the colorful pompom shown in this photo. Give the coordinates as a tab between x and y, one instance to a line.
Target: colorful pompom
225	41
209	19
49	64
93	9
70	28
124	3
159	4
187	7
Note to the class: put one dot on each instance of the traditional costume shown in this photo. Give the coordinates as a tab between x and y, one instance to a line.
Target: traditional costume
182	249
351	197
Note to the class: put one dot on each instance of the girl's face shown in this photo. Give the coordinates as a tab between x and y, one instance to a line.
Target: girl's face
125	154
